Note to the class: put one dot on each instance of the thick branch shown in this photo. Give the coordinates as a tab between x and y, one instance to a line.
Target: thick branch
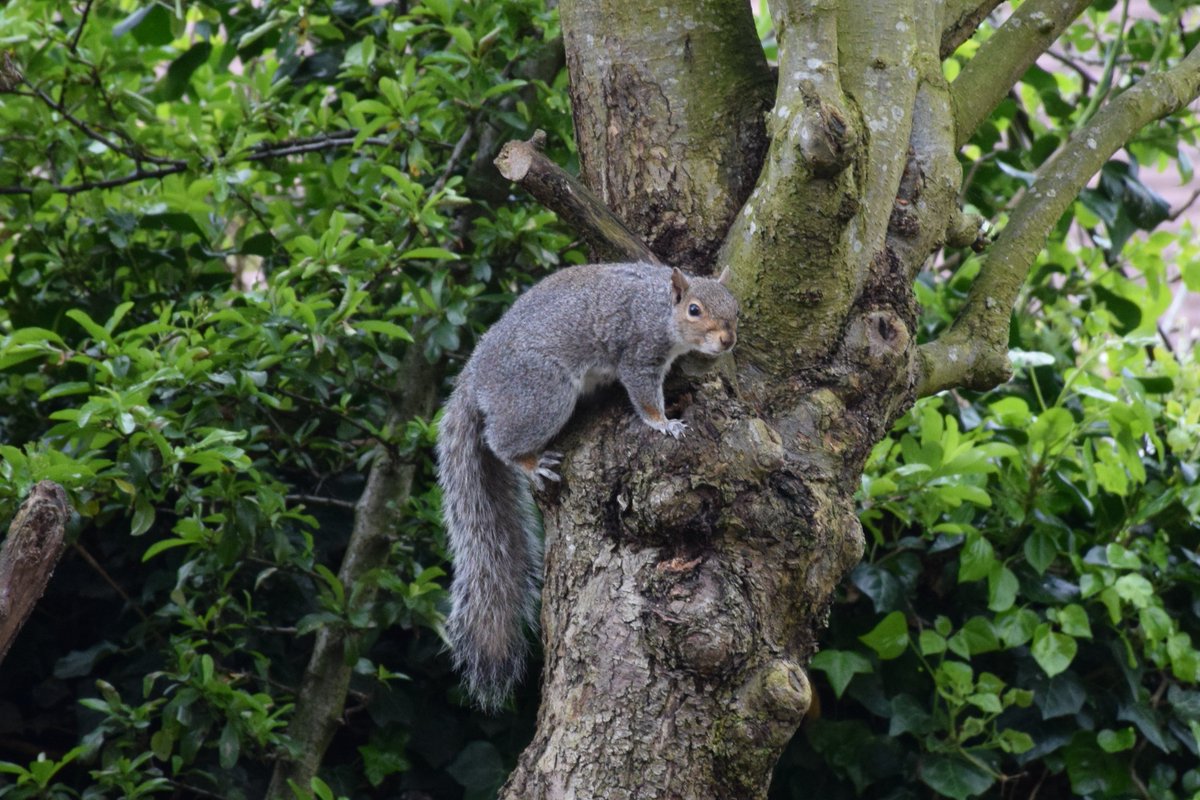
792	304
928	192
322	695
556	189
960	19
29	555
973	353
1003	59
673	158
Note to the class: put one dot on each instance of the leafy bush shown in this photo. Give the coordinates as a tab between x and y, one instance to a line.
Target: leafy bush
205	354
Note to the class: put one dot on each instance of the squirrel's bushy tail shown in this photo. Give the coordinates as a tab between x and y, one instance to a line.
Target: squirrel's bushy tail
497	555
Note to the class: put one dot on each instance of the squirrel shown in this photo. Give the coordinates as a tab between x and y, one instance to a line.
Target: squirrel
575	330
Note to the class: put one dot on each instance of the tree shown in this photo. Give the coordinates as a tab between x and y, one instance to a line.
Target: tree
686	586
245	245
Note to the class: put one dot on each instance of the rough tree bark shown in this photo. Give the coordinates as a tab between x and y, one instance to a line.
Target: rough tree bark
687	581
28	556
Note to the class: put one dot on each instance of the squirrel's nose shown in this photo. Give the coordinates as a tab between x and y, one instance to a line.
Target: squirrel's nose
727	339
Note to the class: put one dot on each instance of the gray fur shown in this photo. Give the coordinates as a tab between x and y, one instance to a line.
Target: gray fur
579	327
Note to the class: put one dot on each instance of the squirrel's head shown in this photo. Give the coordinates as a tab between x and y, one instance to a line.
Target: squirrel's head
705	312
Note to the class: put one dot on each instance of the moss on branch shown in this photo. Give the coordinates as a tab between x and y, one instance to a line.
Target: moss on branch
960	19
1003	59
968	354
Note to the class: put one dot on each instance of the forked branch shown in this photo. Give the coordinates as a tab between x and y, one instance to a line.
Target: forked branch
973	352
960	20
1003	59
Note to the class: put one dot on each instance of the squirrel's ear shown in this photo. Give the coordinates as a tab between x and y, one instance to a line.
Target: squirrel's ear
723	279
679	284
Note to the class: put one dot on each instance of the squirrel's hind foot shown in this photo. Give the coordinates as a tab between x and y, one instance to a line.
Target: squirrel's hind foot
675	427
541	468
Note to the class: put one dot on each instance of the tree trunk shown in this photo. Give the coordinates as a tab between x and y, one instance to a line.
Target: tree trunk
687	581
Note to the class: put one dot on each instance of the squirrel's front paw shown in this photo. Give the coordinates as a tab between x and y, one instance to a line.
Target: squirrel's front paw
675	427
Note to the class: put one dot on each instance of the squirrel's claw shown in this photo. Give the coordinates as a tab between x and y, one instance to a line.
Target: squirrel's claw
675	427
545	469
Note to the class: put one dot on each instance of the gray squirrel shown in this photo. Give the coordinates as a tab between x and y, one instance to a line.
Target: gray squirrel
573	331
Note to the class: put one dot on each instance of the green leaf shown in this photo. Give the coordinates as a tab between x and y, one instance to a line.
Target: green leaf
389	329
478	767
228	746
150	25
1053	651
162	744
95	330
1040	549
143	516
179	74
430	253
1015	627
1002	588
164	544
503	88
840	666
909	716
954	777
977	560
1115	741
1135	589
1015	741
977	636
889	639
1094	772
1121	558
931	642
1074	621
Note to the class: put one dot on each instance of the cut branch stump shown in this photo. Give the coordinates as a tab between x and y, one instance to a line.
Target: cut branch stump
28	556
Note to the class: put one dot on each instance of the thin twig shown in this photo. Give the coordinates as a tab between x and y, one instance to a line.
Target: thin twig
87	9
96	135
322	501
175	167
103	573
1088	79
1174	215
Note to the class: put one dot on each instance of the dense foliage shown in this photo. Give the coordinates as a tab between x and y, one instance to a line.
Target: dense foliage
228	233
205	356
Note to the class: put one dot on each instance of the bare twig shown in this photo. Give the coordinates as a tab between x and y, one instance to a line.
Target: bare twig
321	700
87	9
1176	213
334	502
288	148
103	573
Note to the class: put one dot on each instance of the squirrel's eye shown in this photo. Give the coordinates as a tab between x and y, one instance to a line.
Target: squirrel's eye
694	310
